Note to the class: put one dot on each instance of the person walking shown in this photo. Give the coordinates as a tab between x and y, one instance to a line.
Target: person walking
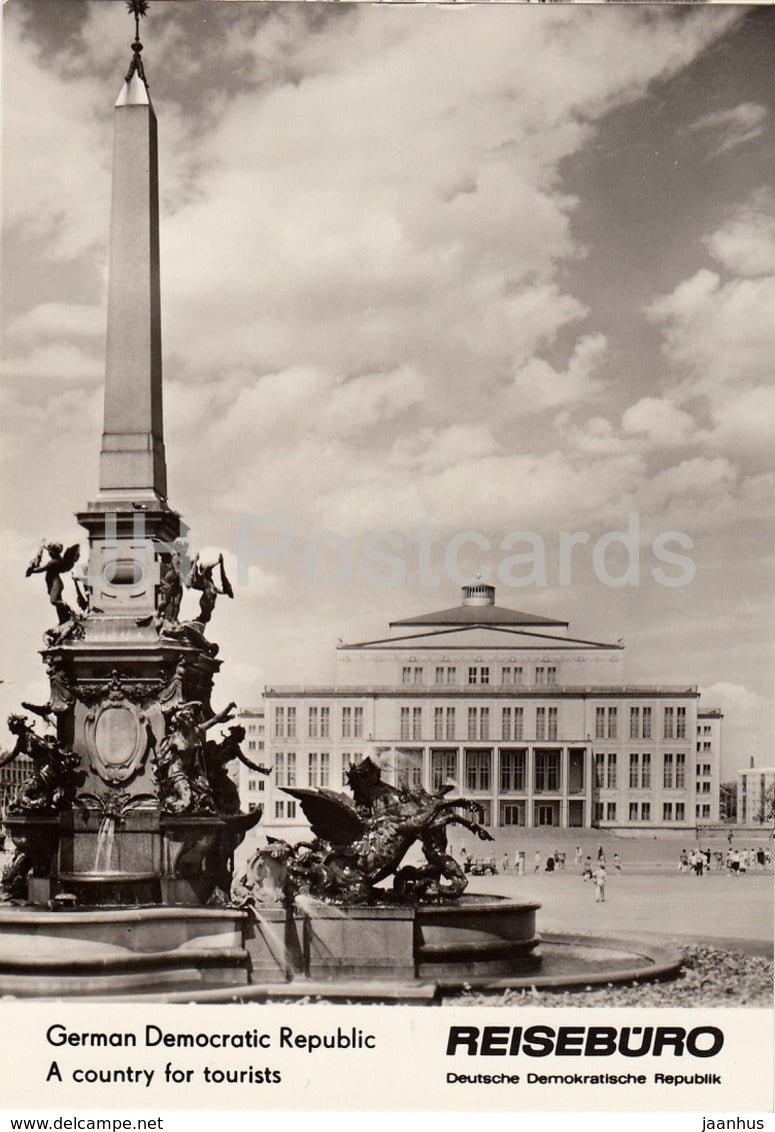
579	855
505	862
519	863
617	863
598	879
537	865
586	872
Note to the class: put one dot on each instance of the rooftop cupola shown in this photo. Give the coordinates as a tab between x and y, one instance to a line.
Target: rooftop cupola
478	594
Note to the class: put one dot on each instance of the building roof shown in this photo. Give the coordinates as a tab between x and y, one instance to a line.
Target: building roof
469	615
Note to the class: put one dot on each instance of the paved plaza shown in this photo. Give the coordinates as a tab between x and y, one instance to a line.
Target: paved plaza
716	908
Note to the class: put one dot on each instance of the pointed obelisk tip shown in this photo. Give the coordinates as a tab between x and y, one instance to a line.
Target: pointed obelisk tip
136	88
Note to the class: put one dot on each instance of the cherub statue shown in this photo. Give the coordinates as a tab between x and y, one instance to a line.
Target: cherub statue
201	578
59	562
217	755
52	784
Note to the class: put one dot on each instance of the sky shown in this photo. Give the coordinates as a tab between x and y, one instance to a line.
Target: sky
441	286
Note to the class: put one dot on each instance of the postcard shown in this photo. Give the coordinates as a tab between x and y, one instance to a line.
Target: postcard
386	685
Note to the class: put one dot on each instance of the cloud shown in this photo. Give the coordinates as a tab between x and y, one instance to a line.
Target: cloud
537	386
745	245
662	423
733	127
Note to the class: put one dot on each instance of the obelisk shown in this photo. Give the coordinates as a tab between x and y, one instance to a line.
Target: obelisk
132	463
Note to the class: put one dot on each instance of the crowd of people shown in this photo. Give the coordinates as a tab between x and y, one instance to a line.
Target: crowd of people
700	861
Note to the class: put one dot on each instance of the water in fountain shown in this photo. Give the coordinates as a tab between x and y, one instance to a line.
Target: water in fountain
106	841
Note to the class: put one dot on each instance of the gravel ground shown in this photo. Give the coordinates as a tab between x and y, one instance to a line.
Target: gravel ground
710	977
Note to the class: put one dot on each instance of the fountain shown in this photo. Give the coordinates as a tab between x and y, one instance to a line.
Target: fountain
126	829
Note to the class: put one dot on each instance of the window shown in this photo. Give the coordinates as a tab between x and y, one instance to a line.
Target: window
312	764
669	723
444	675
506	724
511	674
251	744
702	811
547	771
634	723
540	724
634	772
605	723
645	811
519	722
679	811
451	675
347	722
285	809
551	723
633	811
599	811
358	723
610	811
438	723
291	773
279	809
450	723
667	811
680	723
647	723
312	722
443	768
479	723
279	769
478	770
704	788
706	746
645	771
279	722
484	675
251	785
406	675
416	722
291	722
680	770
325	768
479	675
667	775
540	674
325	723
599	768
551	674
512	771
610	778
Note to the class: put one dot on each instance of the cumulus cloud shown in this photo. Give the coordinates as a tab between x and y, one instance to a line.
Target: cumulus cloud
745	245
662	423
537	386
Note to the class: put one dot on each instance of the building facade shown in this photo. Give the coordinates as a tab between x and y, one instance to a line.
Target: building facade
535	725
756	796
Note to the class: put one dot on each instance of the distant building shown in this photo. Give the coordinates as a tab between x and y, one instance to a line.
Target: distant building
756	795
253	787
12	775
534	724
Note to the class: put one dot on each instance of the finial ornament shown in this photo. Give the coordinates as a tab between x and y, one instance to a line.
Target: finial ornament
138	9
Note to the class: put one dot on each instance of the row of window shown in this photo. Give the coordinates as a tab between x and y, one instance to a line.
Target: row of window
444	722
480	674
673	771
513	813
607	723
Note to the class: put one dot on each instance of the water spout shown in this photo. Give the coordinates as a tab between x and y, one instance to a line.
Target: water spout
106	841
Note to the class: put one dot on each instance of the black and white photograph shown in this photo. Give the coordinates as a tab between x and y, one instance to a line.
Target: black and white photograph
387	542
